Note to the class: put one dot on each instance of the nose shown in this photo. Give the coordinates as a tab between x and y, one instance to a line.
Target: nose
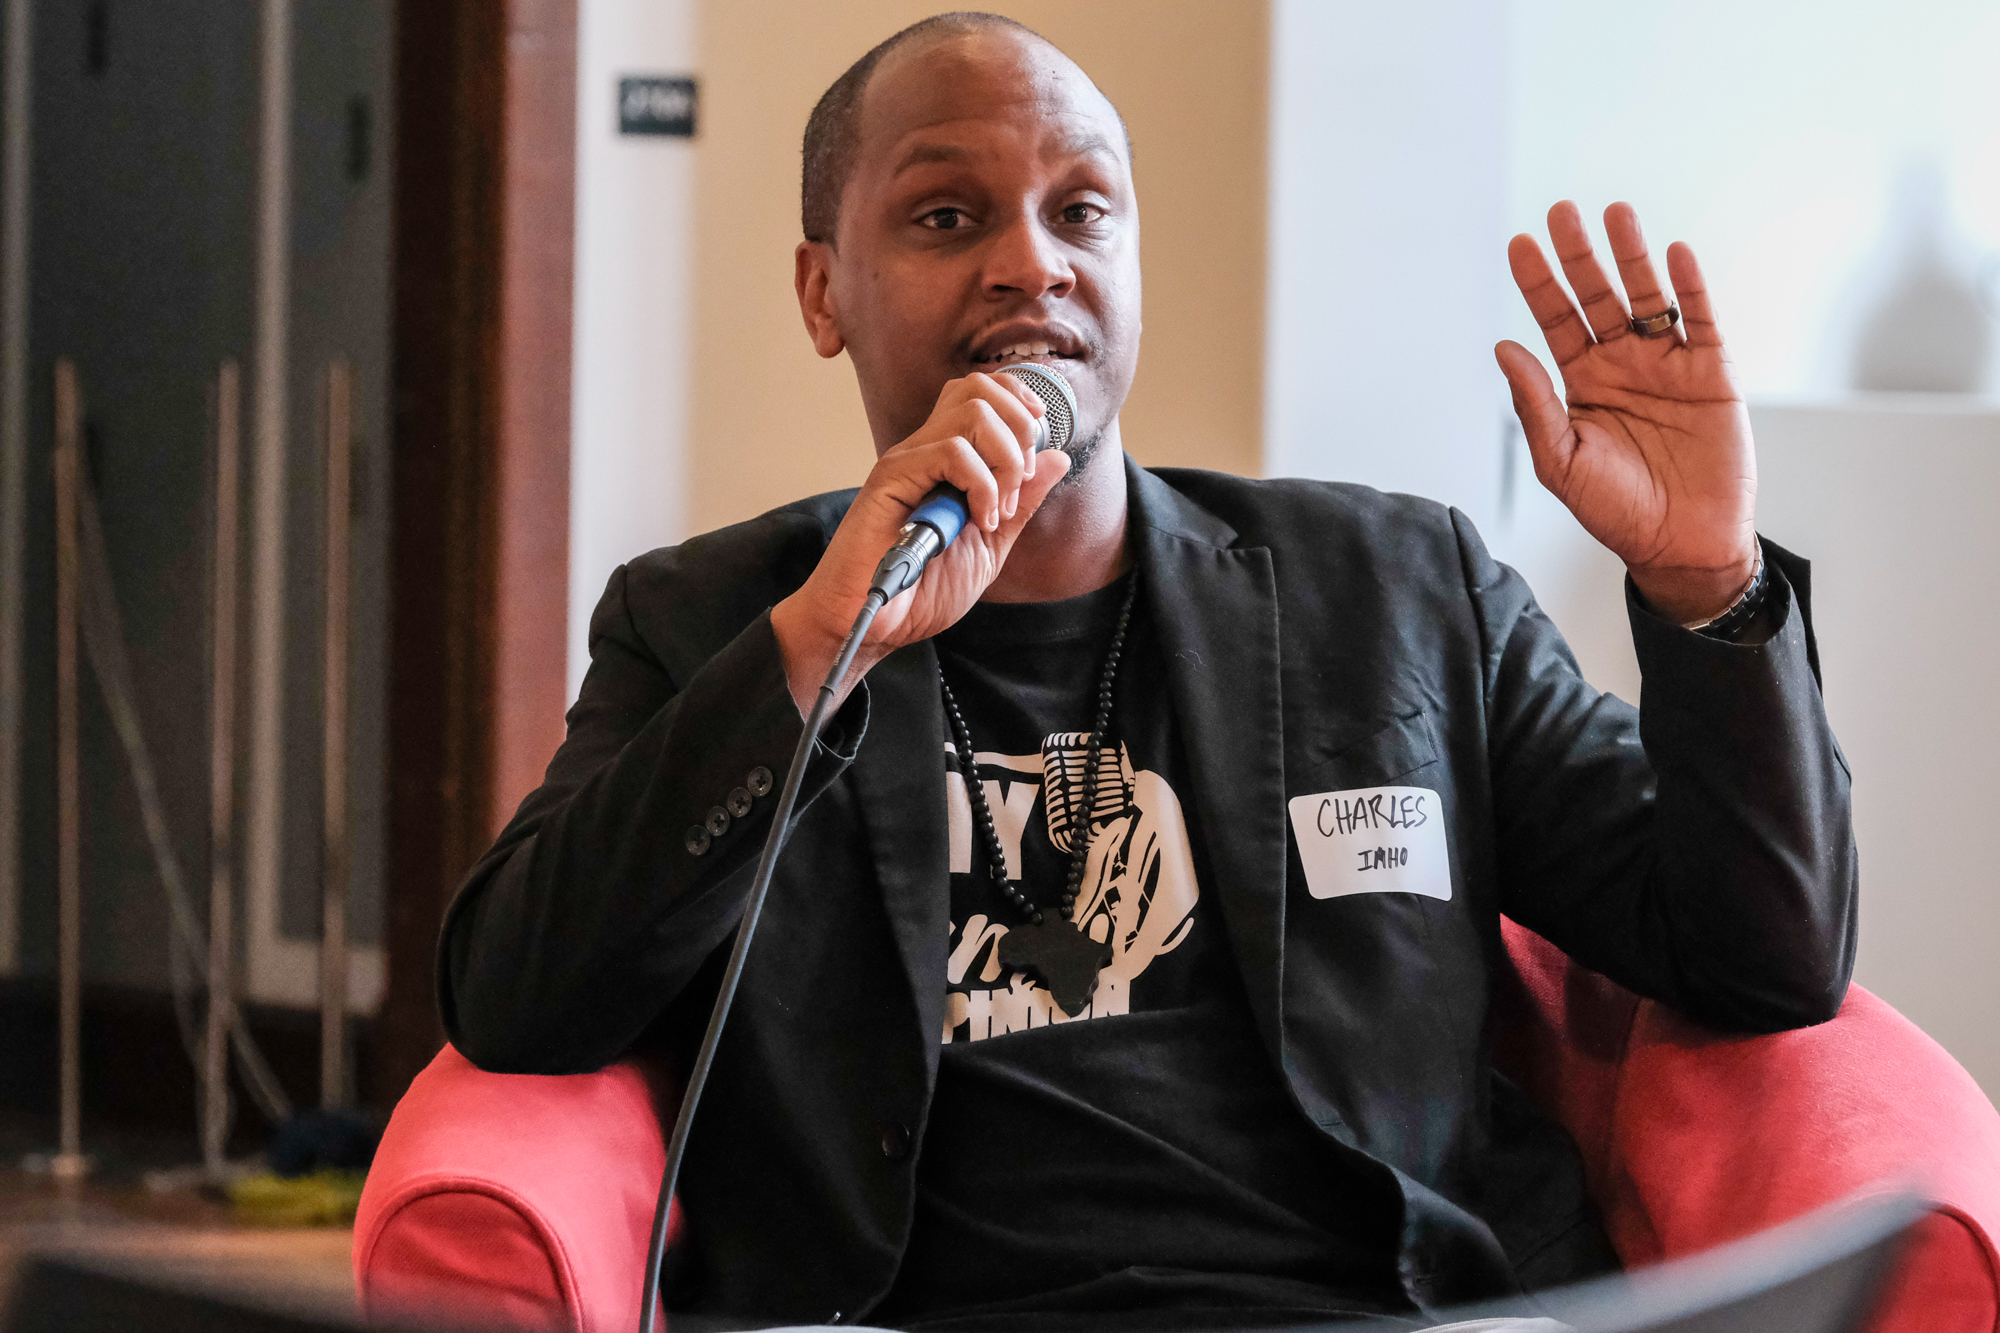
1026	260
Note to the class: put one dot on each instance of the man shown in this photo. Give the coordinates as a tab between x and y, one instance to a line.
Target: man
1273	756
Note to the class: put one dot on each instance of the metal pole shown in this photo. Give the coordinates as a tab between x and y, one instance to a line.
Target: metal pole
222	774
14	182
263	827
69	1161
333	938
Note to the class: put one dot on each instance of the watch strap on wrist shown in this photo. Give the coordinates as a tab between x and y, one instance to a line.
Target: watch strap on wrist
1743	610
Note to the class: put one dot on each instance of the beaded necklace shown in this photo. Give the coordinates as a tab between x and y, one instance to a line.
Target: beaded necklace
1050	945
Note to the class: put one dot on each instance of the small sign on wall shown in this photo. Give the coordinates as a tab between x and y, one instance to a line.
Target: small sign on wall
656	104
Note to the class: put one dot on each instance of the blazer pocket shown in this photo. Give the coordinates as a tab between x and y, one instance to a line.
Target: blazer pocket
1376	759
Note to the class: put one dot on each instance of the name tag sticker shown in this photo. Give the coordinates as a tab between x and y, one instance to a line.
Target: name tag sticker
1372	840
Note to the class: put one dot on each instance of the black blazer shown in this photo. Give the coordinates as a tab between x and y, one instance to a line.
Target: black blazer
1317	637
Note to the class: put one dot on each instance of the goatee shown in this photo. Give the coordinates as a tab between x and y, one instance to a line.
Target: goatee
1080	453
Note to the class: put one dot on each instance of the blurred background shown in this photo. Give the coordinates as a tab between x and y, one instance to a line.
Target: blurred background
472	301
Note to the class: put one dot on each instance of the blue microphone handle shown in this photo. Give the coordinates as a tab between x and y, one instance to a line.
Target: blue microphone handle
932	526
945	510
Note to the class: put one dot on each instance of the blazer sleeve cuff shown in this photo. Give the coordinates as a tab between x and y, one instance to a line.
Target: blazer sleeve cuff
1670	655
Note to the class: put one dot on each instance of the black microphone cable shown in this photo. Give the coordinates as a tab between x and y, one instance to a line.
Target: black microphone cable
774	842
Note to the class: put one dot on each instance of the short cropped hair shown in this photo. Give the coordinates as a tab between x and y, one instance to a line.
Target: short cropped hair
833	131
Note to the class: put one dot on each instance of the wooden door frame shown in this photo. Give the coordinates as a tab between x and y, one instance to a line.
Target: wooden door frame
484	238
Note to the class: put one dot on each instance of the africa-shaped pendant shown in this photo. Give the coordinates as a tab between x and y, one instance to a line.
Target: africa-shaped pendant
1066	959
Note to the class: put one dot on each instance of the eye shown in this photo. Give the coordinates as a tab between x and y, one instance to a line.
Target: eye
1080	214
944	219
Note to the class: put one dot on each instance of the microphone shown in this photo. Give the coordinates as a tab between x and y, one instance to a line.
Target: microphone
936	523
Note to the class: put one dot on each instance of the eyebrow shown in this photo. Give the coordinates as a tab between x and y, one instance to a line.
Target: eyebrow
1082	144
930	152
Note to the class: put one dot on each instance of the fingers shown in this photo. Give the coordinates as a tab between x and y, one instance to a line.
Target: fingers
985	462
1033	491
958	461
1635	265
981	439
1011	389
999	421
1605	312
999	447
995	412
1017	407
1697	314
1602	306
1544	422
1562	326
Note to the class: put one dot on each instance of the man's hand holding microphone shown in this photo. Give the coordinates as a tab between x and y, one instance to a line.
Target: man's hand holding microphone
983	438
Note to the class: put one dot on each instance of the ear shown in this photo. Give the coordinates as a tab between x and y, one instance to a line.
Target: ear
812	275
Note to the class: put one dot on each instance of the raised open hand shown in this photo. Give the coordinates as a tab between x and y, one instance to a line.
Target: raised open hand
1649	446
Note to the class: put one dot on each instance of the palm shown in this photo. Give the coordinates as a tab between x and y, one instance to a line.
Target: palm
1658	457
1650	444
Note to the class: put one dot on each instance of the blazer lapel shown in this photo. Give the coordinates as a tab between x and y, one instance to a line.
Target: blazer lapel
899	779
1215	609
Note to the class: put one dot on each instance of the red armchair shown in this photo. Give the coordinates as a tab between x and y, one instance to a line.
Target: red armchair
528	1200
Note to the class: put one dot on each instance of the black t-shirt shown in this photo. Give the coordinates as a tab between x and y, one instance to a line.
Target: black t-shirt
1144	1156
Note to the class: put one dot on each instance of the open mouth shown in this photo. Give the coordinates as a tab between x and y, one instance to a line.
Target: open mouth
1006	347
1008	356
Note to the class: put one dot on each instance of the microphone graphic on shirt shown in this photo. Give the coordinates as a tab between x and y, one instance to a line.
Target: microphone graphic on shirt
1138	894
1065	756
936	523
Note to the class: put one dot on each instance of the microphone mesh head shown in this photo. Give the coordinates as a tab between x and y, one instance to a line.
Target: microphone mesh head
1054	391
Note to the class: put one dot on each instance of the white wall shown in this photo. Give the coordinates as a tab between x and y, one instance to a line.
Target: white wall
634	338
1893	499
1387	247
1788	143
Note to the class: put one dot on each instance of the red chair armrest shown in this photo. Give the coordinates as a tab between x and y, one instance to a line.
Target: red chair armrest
1719	1137
513	1199
1692	1139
